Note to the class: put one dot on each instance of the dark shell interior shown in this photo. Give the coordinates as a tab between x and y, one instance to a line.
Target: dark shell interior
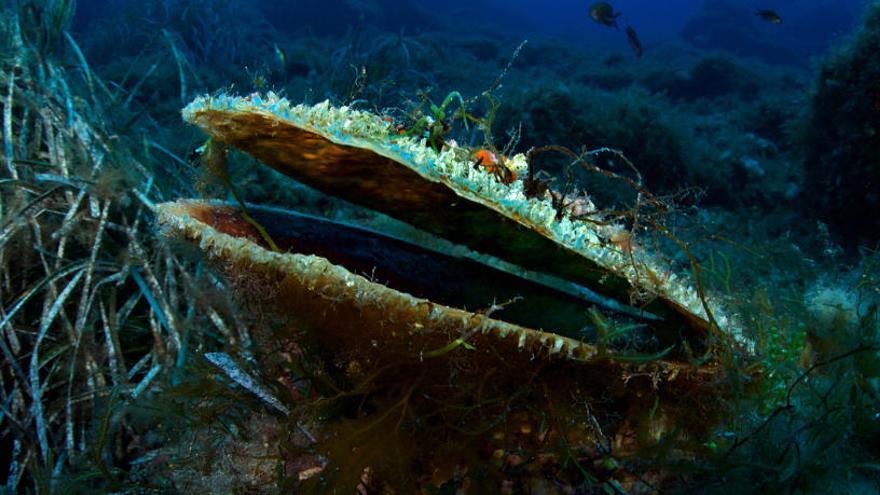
424	273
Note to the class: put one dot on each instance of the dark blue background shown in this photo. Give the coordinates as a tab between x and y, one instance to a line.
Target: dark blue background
809	25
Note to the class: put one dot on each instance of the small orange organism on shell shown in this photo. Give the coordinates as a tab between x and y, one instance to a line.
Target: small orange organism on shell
623	240
494	164
395	128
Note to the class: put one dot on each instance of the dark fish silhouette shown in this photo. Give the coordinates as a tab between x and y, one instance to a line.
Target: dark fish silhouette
603	13
769	16
634	41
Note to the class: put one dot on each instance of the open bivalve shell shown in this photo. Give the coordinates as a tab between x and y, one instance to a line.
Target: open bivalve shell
355	155
387	310
403	299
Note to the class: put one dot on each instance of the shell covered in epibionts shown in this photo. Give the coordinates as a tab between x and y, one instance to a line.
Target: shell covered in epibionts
513	311
356	156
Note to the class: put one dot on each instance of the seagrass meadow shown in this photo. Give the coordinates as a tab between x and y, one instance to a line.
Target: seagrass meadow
237	258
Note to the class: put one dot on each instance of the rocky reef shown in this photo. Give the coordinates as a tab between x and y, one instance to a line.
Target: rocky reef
842	137
802	33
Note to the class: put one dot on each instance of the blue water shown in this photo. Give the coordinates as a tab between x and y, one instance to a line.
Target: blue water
808	27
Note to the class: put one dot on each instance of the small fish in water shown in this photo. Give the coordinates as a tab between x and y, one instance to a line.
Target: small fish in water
634	41
603	13
280	57
769	16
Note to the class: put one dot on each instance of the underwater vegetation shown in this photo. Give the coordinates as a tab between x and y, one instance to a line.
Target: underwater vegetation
95	311
843	136
462	285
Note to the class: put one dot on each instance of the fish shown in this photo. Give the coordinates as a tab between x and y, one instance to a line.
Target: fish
280	57
603	13
769	16
634	41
